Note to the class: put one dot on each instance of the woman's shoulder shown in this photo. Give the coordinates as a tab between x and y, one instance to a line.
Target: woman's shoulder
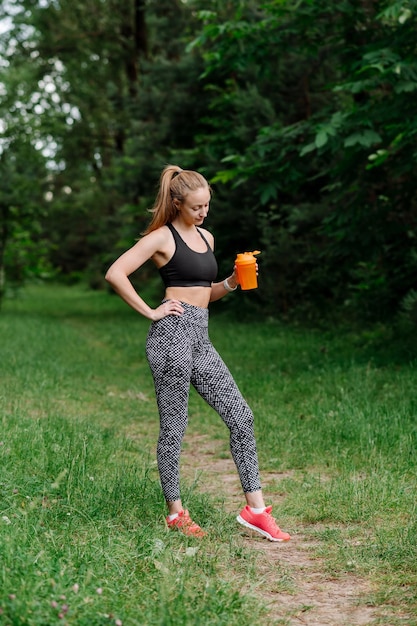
154	241
159	235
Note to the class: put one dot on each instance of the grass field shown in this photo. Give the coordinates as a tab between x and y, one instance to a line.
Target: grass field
82	537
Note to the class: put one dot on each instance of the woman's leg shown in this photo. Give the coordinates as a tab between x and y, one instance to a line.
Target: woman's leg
216	385
214	382
169	356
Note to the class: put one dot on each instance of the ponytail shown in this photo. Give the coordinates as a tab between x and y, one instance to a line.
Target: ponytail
174	184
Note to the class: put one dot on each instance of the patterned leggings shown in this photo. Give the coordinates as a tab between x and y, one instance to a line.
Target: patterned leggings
180	352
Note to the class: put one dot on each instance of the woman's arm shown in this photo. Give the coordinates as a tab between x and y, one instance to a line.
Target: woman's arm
219	290
118	274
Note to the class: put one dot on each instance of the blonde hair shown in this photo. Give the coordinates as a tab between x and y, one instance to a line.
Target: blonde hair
174	185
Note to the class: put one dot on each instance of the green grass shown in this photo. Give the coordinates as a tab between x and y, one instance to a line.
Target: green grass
82	539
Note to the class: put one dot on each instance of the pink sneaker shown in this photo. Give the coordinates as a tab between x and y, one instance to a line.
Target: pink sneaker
262	523
185	524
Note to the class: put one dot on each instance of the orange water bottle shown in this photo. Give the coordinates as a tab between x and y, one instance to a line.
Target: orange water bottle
246	270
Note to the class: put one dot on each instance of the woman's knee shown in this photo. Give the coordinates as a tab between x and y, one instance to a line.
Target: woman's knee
172	431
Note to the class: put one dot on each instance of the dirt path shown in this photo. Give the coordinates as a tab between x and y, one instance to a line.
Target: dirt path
312	597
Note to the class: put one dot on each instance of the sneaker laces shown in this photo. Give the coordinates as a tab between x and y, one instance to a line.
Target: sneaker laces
271	520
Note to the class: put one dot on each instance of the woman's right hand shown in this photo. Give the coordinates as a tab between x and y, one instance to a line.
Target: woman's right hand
169	307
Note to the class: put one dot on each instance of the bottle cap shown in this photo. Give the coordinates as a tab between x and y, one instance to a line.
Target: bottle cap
247	257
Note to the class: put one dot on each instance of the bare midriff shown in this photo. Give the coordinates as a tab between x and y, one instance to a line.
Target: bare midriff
197	296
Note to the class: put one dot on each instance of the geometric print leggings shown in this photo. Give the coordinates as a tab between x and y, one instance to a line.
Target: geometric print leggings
180	353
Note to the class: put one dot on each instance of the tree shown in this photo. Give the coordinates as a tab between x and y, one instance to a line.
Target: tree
302	115
23	249
327	158
112	97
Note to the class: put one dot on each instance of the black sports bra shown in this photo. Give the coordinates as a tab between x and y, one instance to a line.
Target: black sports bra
187	268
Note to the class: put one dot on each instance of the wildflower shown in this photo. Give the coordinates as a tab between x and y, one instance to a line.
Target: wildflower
99	591
118	622
76	588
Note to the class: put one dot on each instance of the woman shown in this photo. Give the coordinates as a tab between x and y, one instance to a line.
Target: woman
178	347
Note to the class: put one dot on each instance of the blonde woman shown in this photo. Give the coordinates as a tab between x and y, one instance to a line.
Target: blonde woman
178	347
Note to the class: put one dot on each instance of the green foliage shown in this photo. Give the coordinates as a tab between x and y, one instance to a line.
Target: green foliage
333	165
24	248
303	116
408	311
98	75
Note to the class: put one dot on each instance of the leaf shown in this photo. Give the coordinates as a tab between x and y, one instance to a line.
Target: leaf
405	86
365	138
405	15
376	159
321	139
269	192
225	176
310	147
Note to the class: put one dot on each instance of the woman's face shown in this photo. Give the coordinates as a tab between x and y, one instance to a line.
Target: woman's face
195	207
